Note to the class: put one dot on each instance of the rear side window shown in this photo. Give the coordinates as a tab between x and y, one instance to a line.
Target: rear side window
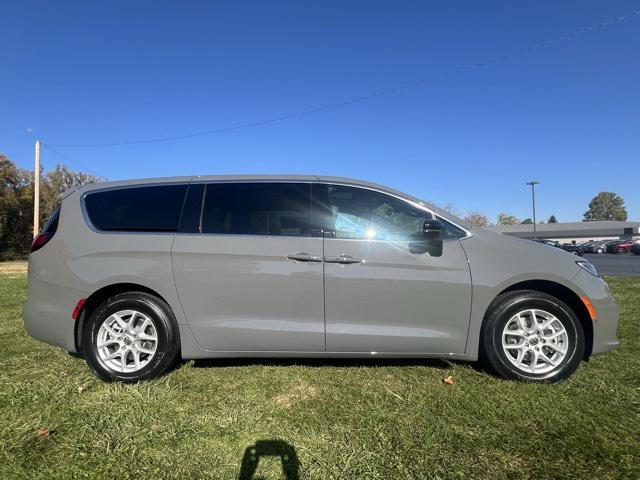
282	209
137	209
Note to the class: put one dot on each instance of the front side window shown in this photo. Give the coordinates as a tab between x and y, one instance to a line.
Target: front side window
136	209
282	209
357	213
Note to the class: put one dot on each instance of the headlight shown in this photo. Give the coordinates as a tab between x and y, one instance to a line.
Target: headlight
588	266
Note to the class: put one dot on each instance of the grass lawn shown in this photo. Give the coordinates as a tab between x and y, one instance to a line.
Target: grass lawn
388	420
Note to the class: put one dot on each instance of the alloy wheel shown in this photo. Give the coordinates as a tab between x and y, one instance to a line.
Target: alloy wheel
535	341
127	341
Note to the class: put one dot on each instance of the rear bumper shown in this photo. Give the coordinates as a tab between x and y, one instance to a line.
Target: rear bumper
47	313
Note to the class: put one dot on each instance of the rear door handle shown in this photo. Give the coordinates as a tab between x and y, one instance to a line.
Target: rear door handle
303	257
343	259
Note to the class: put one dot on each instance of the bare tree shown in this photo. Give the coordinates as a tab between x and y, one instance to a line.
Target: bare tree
451	208
477	219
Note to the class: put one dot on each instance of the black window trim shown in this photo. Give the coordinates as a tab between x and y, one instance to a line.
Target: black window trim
90	224
206	182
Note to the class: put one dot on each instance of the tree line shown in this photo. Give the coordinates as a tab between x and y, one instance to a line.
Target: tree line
604	206
16	202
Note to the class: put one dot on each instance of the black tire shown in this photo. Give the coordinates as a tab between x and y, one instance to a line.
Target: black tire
503	309
600	251
621	251
167	352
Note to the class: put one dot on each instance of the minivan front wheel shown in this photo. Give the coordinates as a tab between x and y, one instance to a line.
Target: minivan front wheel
532	336
130	337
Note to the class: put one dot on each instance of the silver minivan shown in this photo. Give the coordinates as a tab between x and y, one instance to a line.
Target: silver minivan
136	275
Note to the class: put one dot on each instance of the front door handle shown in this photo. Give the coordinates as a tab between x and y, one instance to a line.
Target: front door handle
303	257
343	259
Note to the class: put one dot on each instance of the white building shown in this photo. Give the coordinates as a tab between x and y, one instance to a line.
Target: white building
575	232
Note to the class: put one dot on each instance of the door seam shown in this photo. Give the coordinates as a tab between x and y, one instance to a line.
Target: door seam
324	295
466	343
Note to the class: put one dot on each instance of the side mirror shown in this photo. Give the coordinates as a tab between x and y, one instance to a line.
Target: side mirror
433	229
431	241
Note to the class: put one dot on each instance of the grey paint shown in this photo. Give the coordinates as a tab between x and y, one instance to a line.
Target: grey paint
241	296
395	300
242	293
497	262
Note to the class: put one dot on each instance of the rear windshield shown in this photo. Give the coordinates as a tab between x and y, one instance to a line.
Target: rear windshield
154	208
52	223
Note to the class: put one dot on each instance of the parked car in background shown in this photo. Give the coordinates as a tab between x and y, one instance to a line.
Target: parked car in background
572	248
551	243
586	245
568	247
599	247
635	248
622	247
134	275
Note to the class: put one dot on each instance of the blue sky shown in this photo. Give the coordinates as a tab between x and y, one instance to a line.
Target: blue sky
79	72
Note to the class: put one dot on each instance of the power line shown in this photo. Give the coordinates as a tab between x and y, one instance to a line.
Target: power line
364	98
48	147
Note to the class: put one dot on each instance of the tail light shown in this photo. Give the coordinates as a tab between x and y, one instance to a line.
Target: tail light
40	241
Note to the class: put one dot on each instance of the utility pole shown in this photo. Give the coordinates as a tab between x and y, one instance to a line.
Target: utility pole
36	192
533	184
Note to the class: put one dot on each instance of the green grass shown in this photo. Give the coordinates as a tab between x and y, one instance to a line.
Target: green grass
387	420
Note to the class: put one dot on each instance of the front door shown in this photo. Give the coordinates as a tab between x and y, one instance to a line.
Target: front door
381	297
248	270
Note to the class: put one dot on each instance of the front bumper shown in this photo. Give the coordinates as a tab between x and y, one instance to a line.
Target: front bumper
605	327
47	313
606	323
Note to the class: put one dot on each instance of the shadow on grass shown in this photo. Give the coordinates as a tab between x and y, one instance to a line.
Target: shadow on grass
325	362
270	448
441	364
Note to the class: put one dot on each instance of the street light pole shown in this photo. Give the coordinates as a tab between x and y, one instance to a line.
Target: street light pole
533	184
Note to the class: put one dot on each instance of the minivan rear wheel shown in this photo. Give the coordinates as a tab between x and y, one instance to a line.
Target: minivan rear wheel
131	337
532	336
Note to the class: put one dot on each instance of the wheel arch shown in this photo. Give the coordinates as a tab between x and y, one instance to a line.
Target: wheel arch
563	293
99	296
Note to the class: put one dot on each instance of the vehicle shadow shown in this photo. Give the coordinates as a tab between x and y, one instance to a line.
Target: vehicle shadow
270	448
325	362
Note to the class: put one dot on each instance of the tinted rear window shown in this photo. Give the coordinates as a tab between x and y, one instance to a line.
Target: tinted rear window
52	223
140	209
257	209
